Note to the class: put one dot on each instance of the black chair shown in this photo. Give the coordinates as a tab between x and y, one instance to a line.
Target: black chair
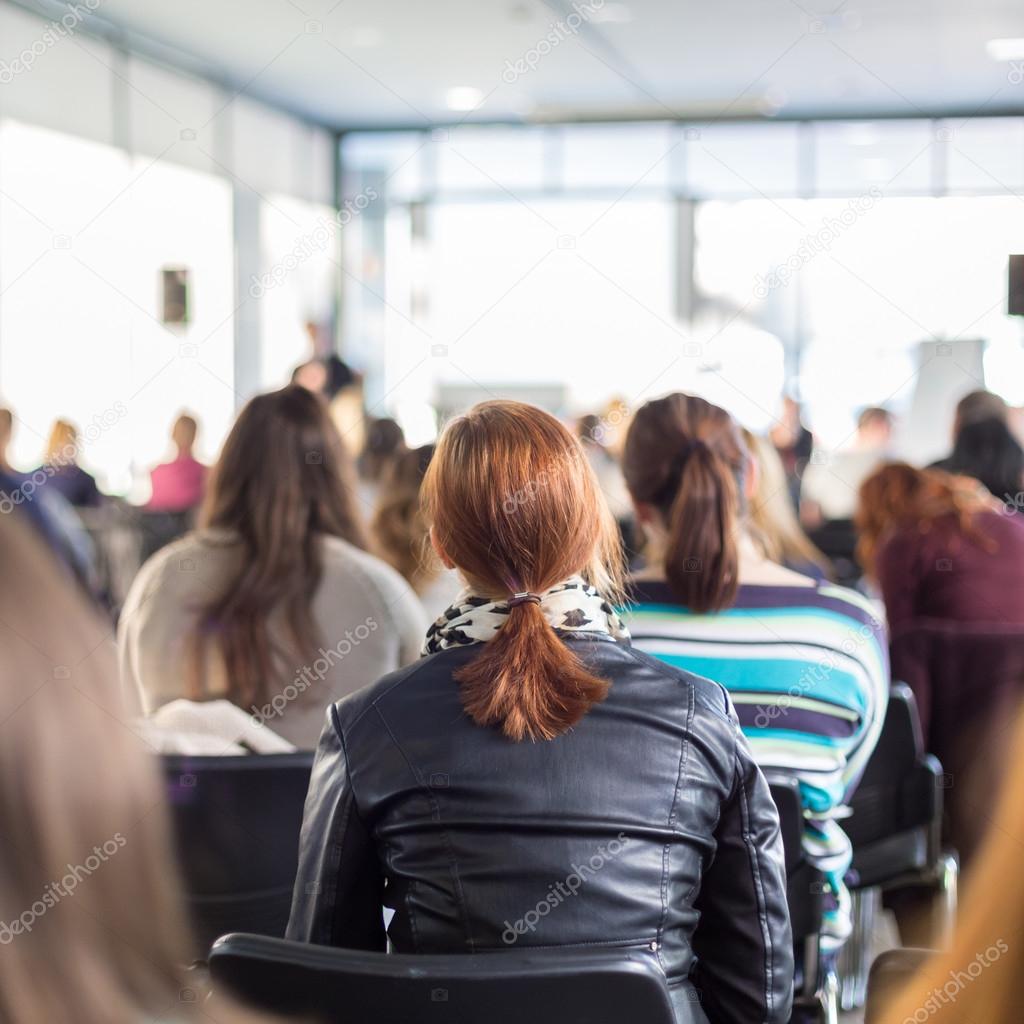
896	831
816	993
158	529
236	827
542	986
890	973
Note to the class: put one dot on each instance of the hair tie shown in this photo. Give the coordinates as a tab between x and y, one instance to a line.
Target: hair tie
524	597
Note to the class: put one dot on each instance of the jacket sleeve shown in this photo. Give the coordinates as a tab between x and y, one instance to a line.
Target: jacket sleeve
339	886
743	943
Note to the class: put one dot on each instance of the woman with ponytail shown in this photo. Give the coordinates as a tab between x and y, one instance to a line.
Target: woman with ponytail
805	662
534	780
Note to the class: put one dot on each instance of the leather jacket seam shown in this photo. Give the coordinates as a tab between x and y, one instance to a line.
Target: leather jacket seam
453	865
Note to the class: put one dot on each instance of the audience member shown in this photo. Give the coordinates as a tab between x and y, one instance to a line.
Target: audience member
383	445
804	661
591	432
988	451
948	989
830	482
425	797
974	407
62	471
939	547
313	376
273	603
401	534
773	520
92	928
794	443
178	486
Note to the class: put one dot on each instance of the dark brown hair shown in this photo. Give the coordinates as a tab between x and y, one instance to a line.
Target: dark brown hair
686	458
283	481
514	504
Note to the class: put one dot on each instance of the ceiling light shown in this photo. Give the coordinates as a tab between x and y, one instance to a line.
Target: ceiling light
1005	49
463	97
609	13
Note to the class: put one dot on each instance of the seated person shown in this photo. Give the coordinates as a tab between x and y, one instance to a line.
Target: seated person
987	451
88	884
534	780
178	486
804	661
975	407
62	471
939	547
273	603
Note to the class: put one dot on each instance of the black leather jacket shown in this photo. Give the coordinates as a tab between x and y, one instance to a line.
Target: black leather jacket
646	825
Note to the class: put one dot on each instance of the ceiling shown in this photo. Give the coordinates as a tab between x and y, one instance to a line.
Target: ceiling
349	63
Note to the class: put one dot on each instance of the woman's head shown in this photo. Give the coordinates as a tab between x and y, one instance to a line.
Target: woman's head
399	526
898	494
62	444
283	481
87	887
686	466
384	443
987	451
513	504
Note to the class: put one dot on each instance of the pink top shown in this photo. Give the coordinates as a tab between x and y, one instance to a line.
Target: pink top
177	485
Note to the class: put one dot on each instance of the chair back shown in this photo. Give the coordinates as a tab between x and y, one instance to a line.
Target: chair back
236	827
891	972
543	986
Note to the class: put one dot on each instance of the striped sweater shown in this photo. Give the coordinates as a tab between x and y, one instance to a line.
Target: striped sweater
807	669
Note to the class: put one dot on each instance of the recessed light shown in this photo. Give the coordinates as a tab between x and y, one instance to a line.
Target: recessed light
463	97
1005	49
609	13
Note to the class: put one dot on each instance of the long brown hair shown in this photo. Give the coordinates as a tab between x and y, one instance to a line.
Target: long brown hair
283	481
87	886
399	526
898	494
685	458
514	504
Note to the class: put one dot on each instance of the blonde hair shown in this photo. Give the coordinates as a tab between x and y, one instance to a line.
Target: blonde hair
985	964
773	522
62	444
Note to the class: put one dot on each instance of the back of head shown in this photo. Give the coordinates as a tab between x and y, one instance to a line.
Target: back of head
987	451
976	406
91	929
514	504
283	481
384	442
898	494
685	461
874	426
184	432
62	444
399	526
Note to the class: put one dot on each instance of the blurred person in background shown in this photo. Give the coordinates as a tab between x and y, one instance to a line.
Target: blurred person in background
402	536
273	603
531	696
794	443
988	451
592	435
829	489
384	444
805	662
939	547
975	407
61	467
980	977
92	927
773	519
179	485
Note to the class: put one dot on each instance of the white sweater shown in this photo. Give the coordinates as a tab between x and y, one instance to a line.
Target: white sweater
369	620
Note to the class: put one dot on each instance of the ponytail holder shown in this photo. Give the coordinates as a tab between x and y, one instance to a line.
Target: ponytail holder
524	597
